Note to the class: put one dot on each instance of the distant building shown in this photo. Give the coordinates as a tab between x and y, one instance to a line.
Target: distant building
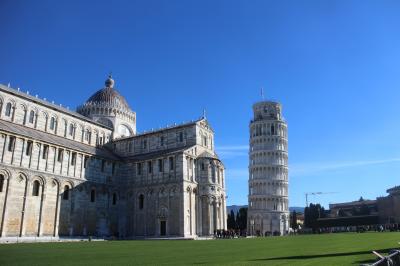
389	206
268	211
360	207
383	210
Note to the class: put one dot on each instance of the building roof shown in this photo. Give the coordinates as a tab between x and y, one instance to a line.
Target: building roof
55	140
152	155
49	105
351	204
206	154
191	123
393	190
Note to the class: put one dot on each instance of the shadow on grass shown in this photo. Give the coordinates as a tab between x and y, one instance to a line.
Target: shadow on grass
305	257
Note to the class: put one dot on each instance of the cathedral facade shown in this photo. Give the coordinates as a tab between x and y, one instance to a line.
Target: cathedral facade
89	173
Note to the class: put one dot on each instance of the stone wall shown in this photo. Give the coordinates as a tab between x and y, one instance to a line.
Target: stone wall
158	184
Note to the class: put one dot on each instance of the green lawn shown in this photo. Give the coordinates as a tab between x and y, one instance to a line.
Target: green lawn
328	249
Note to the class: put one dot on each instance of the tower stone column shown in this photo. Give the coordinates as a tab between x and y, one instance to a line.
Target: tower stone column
268	211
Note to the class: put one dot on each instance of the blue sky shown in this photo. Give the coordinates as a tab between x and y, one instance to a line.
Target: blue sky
334	65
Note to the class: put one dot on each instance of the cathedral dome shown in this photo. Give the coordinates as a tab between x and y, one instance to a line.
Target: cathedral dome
108	107
108	97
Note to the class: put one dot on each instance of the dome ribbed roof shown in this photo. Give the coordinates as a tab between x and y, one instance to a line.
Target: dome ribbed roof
108	96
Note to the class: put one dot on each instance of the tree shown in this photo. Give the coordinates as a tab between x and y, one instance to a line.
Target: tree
231	222
293	220
312	214
241	219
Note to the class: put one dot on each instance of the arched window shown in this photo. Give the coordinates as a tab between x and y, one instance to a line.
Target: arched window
65	128
8	109
141	201
1	182
35	189
272	130
87	136
66	193
71	129
31	116
11	143
92	195
25	112
52	123
114	199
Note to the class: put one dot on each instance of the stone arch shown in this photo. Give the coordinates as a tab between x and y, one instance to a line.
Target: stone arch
37	185
24	108
129	195
12	101
114	197
163	212
138	193
172	191
40	178
141	201
161	192
33	114
6	173
150	192
127	127
10	107
105	121
22	176
45	114
68	183
55	182
66	190
53	122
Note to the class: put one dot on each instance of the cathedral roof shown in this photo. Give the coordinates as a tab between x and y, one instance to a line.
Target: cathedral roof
206	154
153	154
47	104
108	97
56	140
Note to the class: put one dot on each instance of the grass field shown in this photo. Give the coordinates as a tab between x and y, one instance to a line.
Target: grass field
328	249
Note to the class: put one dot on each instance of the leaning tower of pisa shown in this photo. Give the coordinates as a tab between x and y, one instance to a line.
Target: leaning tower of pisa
268	211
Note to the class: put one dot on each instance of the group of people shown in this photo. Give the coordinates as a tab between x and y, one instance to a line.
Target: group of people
230	233
359	229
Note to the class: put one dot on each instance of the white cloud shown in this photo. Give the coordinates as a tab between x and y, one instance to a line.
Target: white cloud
233	151
310	168
233	147
304	169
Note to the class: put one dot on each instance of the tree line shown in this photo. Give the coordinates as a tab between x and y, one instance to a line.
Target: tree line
238	220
